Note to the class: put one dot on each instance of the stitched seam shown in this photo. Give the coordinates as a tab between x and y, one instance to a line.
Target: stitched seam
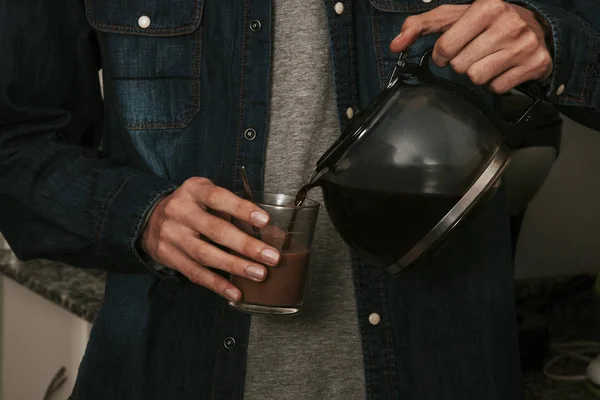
105	217
587	65
218	360
352	61
339	84
152	78
412	8
378	49
113	28
389	353
245	360
191	111
237	143
367	355
153	199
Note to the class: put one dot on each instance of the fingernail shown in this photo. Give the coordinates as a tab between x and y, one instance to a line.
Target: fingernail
397	38
259	218
270	256
256	272
233	295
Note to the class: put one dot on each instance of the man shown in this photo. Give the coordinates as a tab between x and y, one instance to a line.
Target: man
193	90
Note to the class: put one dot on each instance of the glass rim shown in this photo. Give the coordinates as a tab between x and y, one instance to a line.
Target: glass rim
307	204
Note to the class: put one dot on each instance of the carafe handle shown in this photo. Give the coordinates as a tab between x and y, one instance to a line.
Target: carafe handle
514	132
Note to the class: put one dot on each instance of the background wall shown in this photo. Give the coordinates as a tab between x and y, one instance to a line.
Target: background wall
561	231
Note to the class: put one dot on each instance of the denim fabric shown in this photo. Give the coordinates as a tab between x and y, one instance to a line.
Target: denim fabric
179	96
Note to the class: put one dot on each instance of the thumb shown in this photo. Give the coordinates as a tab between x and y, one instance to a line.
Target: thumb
438	20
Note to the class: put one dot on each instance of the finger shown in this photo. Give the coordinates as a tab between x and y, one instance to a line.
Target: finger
511	79
206	254
220	199
484	45
476	19
440	19
488	68
199	274
226	234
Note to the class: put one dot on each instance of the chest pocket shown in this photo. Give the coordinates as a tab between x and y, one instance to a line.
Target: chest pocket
151	53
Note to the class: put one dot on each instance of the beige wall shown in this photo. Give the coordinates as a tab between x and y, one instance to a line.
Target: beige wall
561	231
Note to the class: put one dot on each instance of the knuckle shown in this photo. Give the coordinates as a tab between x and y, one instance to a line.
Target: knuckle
196	276
217	285
218	231
530	41
494	7
242	207
200	253
250	247
499	87
519	24
163	233
171	208
161	250
458	66
234	266
410	22
196	183
513	25
544	60
214	195
443	48
476	76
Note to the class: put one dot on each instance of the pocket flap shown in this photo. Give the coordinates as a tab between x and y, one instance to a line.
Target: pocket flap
165	17
412	6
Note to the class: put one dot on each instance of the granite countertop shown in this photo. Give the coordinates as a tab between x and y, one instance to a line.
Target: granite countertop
77	290
81	292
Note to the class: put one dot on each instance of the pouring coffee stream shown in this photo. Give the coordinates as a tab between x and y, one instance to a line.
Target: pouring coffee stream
298	201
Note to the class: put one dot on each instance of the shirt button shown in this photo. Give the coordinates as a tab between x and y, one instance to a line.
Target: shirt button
374	319
255	26
250	134
339	7
229	343
144	22
349	112
426	1
560	90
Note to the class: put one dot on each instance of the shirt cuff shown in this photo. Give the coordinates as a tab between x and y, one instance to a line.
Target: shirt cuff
125	212
575	58
163	270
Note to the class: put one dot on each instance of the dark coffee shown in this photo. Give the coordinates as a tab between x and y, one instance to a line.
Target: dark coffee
381	226
283	285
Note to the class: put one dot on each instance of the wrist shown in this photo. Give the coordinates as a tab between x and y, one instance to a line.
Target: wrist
144	237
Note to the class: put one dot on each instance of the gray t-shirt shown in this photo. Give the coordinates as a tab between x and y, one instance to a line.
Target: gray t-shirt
316	354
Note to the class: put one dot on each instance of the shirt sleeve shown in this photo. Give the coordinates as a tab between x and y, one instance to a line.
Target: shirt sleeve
60	198
574	84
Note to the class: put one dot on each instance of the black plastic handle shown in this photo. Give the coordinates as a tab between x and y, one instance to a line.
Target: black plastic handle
514	132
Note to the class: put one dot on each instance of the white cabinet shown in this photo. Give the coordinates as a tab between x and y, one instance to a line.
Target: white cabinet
37	339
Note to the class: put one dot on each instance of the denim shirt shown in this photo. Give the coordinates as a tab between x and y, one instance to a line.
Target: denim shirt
188	95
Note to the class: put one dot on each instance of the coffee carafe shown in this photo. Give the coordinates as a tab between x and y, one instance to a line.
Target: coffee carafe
413	166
